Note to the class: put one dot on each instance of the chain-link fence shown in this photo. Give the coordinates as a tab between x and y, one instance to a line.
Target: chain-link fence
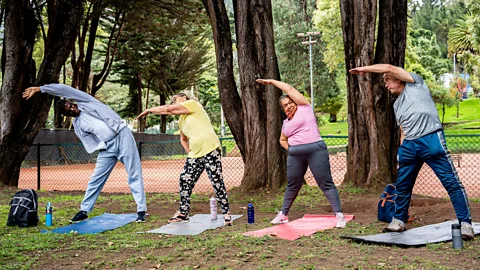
68	167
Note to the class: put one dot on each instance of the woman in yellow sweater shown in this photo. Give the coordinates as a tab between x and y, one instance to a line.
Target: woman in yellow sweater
203	147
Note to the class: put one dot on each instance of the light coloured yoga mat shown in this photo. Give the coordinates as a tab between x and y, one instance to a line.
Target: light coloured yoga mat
197	224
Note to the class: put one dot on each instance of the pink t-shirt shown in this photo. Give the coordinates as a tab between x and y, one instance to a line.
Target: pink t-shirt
302	129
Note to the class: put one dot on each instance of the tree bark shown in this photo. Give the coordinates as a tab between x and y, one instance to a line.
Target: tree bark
373	135
21	120
229	96
255	118
85	74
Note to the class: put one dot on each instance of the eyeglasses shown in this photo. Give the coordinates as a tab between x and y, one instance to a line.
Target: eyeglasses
286	104
174	99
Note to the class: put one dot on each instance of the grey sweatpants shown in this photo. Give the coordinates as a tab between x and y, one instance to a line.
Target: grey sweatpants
314	155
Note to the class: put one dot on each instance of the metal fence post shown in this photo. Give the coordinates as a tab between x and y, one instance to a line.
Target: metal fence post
140	149
38	166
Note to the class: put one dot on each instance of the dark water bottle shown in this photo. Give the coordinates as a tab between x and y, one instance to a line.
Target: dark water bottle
457	241
250	214
49	210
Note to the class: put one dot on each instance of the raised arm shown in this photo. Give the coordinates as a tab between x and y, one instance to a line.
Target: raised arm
175	109
389	70
59	90
293	93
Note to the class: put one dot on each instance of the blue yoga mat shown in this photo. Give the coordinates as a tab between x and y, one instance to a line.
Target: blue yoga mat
419	236
97	224
197	224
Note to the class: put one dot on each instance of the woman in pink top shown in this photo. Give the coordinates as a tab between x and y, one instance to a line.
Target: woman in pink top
306	148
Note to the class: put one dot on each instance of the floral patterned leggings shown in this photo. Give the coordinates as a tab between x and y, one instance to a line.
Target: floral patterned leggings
191	172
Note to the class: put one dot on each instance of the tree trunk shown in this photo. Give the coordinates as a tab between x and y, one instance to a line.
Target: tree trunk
229	97
255	122
264	160
21	120
99	79
85	74
373	135
141	122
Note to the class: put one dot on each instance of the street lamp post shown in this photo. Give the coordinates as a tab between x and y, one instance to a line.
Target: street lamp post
310	42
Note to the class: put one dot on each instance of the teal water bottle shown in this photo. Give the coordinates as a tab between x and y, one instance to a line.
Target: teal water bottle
48	220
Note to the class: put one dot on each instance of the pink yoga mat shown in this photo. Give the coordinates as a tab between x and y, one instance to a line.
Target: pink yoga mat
306	226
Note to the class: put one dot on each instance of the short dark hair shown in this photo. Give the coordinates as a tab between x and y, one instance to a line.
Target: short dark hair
60	106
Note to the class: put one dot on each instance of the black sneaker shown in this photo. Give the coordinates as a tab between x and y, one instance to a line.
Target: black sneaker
141	216
80	216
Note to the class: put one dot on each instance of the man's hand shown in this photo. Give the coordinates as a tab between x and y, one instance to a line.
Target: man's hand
265	81
359	70
144	113
29	92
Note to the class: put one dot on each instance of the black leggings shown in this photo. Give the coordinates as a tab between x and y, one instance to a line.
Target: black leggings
191	172
316	156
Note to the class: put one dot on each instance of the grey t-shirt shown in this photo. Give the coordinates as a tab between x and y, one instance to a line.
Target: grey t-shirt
415	110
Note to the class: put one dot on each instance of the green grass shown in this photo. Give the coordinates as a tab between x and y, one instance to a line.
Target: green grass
224	248
468	121
469	111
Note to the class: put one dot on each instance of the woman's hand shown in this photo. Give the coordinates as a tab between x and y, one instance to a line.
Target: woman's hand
144	113
265	81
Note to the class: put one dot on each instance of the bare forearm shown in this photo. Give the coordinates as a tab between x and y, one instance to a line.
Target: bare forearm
162	110
185	145
378	68
284	144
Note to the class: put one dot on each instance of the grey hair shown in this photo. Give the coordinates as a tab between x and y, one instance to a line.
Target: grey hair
282	97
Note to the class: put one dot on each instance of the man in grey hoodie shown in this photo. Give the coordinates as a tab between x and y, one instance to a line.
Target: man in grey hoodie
99	128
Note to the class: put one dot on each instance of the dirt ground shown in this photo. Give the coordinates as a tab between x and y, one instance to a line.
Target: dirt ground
341	255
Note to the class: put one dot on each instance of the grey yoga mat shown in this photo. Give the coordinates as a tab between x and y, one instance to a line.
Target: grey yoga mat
197	224
419	236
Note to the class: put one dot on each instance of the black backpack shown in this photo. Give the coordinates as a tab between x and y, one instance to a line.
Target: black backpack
23	209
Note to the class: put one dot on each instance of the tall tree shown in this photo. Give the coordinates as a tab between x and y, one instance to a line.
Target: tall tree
256	123
373	134
21	120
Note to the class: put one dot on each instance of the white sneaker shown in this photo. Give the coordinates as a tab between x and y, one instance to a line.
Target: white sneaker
396	226
467	231
280	218
341	223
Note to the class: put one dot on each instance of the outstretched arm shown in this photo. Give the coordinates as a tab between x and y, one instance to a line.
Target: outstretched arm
393	71
176	109
293	93
59	90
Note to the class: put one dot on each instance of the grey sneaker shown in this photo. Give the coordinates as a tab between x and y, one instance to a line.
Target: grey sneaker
280	219
396	226
341	222
467	231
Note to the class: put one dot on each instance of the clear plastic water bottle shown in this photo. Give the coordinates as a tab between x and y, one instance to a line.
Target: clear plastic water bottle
250	213
213	208
457	241
49	211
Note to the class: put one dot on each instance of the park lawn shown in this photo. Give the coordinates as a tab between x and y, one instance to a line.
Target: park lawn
226	247
469	111
468	121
